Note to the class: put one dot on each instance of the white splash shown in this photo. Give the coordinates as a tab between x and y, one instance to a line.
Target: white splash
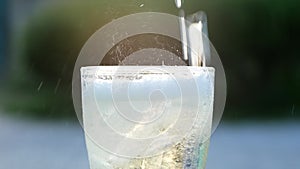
178	3
183	34
196	44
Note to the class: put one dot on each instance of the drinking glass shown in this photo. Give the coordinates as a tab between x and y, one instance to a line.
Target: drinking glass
149	89
147	116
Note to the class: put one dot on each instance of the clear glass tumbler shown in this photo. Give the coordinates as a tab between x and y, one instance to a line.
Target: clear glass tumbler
152	88
147	117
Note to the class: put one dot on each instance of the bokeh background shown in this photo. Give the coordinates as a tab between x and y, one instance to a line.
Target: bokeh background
257	41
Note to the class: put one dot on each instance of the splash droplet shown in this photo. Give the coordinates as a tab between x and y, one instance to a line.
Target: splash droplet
40	86
178	3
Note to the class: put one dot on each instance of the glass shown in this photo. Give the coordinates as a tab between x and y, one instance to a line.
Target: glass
147	116
148	89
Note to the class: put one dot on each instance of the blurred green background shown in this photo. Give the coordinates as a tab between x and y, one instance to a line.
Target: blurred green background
257	41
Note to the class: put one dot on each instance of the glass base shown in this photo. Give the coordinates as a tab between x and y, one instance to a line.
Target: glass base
180	156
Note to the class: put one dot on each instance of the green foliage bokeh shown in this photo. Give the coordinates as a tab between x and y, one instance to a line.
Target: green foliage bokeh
256	39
